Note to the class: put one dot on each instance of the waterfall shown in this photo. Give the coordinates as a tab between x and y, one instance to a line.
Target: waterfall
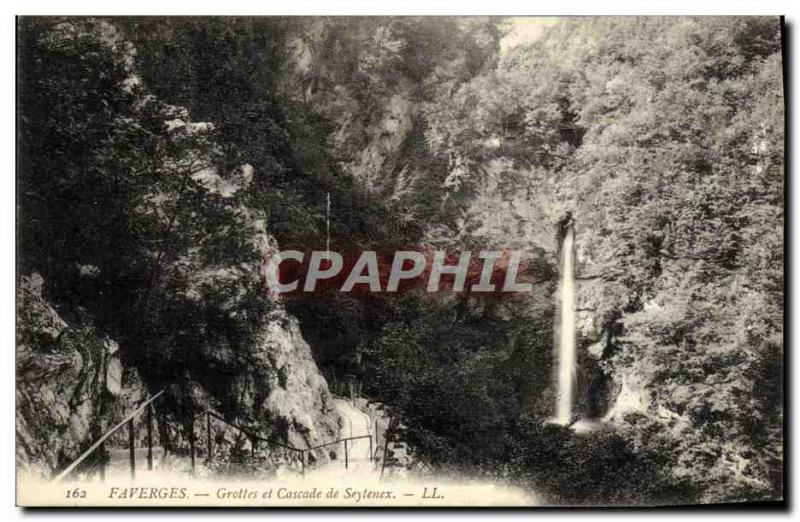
566	340
328	224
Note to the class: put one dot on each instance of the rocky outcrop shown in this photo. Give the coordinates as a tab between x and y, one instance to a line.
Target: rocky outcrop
257	370
368	133
273	388
266	378
298	395
62	382
211	339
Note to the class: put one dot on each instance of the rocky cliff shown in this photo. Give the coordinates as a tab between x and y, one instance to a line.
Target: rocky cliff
182	289
65	374
71	387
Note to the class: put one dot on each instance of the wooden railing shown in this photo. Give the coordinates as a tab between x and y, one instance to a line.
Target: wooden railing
345	441
255	439
99	444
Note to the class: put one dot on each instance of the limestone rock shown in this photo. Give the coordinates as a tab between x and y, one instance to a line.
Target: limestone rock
301	400
113	369
631	398
37	321
60	382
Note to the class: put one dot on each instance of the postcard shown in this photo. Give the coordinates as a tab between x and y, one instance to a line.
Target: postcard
400	261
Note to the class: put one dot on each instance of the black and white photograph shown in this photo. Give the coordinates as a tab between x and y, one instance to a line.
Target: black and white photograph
400	261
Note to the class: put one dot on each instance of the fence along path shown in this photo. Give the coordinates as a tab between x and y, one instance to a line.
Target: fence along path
355	449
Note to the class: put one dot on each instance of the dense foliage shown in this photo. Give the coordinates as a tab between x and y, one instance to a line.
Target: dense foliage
675	167
121	210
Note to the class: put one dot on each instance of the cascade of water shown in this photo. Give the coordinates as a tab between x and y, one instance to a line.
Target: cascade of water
566	341
328	224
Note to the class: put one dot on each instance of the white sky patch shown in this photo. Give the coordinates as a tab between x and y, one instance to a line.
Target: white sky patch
525	30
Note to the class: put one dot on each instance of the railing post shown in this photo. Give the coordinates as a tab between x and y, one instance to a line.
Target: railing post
345	454
102	449
253	442
131	449
164	432
101	442
208	438
303	462
370	447
191	444
150	438
386	435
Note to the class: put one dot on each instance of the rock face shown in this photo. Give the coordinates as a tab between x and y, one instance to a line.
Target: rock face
599	387
272	386
72	386
298	395
213	339
263	375
268	382
61	382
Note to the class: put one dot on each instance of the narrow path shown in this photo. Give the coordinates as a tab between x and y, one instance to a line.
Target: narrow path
359	466
118	464
357	423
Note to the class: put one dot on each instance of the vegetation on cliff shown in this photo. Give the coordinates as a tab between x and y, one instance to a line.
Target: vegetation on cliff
142	232
662	137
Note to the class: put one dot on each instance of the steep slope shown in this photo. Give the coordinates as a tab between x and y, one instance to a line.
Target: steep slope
147	240
663	142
